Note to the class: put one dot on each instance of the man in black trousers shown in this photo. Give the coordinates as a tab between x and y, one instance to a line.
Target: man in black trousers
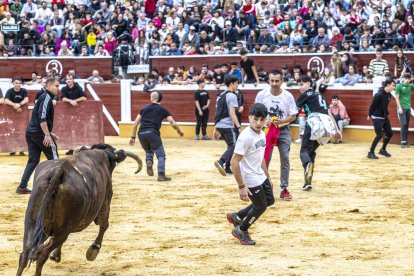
378	113
39	136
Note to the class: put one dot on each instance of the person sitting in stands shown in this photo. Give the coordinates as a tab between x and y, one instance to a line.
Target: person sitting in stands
338	112
95	78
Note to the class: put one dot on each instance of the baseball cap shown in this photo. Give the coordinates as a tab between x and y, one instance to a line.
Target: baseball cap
192	28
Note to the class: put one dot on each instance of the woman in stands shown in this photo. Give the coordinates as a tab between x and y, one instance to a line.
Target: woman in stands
402	65
296	36
327	79
311	32
252	41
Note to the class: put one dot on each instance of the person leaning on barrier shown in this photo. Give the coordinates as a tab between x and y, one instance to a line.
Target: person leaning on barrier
73	94
17	97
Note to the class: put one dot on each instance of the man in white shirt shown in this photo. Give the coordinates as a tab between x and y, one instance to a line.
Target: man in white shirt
43	14
282	111
252	177
29	9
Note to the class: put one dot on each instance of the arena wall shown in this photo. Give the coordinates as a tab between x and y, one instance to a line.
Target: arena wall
76	126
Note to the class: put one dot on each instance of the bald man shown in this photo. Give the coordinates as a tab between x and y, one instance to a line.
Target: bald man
150	119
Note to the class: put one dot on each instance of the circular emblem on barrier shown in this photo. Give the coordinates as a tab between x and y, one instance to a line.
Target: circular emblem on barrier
54	65
316	62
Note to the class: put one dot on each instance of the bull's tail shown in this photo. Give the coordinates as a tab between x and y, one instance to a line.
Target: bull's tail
40	235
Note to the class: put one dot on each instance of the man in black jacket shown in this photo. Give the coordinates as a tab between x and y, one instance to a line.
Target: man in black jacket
378	113
39	136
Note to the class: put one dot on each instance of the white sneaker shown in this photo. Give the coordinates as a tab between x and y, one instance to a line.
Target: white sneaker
298	141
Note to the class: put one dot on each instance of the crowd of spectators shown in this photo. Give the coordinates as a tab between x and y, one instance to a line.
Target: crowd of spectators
198	27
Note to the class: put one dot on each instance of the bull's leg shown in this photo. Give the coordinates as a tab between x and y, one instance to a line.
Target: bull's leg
50	244
56	254
102	221
23	260
27	240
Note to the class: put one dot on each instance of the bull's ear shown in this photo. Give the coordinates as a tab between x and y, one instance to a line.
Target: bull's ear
120	156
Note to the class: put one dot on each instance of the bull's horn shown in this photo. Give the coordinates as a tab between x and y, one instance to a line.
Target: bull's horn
77	149
136	158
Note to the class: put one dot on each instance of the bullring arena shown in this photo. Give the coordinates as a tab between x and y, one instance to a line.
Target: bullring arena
357	220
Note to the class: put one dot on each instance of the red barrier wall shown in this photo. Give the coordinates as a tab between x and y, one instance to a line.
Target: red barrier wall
181	104
12	129
80	125
23	67
268	62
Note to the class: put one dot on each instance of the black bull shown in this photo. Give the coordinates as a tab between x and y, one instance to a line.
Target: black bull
68	194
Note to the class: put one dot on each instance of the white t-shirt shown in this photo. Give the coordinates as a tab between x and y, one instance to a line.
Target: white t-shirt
281	106
251	145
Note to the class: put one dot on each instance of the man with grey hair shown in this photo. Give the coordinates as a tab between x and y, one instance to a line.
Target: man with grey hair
321	38
150	119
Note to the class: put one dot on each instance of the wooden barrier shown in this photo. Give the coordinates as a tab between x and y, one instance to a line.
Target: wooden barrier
79	125
12	129
181	104
24	66
267	61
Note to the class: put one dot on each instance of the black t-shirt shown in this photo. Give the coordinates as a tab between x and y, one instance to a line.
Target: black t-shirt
312	102
247	66
219	78
16	97
43	111
152	116
201	96
73	93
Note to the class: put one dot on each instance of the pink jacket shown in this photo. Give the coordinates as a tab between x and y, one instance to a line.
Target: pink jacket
339	109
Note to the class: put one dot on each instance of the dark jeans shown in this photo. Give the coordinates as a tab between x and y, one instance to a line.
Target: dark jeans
381	126
308	148
405	122
202	122
261	198
151	142
36	147
230	137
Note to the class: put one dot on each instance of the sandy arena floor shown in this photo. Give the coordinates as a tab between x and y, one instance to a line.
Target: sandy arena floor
358	219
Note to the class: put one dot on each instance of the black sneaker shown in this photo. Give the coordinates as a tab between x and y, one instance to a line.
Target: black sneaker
69	152
23	191
163	178
12	153
233	219
309	172
371	155
402	145
150	172
384	152
220	166
307	187
21	153
242	236
228	169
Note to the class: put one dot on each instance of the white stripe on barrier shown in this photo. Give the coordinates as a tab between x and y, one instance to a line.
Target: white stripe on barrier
105	110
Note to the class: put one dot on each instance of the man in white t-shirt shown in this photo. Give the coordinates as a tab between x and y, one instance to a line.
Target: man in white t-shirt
282	111
252	177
